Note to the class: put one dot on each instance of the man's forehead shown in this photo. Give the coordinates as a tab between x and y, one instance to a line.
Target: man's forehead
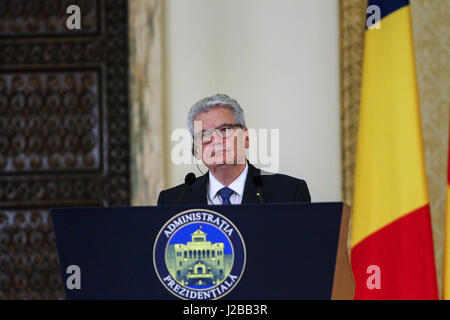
203	125
214	118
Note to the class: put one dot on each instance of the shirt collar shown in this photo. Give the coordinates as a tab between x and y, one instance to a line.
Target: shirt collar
237	185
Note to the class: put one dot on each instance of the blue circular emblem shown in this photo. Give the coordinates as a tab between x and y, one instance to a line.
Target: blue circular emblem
199	254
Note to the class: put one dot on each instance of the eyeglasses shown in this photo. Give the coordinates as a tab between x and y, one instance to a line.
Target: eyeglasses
224	131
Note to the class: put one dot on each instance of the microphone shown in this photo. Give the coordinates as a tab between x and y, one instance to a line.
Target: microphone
188	181
257	182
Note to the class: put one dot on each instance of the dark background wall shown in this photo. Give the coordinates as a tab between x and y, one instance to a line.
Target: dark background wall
64	137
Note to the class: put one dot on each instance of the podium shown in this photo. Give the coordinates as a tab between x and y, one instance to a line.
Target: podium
286	251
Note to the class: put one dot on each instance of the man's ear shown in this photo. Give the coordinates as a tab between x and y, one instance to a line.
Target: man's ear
246	138
195	152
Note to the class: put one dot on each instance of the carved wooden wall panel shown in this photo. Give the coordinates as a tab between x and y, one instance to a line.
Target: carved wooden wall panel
64	137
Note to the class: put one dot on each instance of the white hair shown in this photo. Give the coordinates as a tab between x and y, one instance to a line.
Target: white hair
215	101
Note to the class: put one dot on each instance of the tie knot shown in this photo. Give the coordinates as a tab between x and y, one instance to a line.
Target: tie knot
225	193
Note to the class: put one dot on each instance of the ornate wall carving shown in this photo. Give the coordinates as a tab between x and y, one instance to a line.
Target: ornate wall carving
431	31
352	22
64	137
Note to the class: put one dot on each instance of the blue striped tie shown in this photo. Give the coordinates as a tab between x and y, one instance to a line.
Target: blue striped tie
225	193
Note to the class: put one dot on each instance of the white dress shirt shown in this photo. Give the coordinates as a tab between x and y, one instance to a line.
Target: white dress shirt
237	186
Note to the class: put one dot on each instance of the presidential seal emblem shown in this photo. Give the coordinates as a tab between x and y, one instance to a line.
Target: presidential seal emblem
199	254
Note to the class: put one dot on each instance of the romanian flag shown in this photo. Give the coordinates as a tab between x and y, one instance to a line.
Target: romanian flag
392	247
446	282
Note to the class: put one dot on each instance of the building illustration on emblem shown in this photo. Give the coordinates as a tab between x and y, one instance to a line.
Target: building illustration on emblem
198	262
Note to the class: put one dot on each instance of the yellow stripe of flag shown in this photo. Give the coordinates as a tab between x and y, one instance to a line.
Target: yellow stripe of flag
390	176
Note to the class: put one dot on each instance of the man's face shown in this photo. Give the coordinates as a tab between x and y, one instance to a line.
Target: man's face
220	150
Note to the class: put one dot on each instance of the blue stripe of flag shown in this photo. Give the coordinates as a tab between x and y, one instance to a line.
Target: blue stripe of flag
388	6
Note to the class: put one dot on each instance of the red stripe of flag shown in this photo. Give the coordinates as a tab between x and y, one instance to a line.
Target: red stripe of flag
398	250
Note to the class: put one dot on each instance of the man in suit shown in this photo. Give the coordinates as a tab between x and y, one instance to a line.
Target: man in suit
220	135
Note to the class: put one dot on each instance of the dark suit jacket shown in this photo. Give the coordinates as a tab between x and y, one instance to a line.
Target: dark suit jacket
275	188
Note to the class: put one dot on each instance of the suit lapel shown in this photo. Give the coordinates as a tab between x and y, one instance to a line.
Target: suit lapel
250	190
198	191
